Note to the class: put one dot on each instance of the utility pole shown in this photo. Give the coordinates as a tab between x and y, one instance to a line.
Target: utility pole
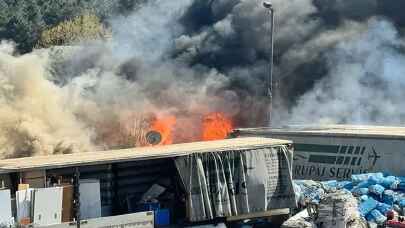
77	196
269	80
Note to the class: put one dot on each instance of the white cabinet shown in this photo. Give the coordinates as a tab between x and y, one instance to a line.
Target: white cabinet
47	206
5	208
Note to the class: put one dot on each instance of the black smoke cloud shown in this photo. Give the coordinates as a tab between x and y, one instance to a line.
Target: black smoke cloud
232	36
191	57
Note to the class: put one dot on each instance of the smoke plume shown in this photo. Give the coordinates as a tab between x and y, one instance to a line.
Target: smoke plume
365	81
35	115
335	61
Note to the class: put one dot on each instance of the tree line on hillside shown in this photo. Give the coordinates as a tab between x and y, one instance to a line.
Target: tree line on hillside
42	23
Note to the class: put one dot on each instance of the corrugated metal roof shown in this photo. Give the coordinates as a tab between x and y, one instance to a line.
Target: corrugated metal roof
331	130
112	156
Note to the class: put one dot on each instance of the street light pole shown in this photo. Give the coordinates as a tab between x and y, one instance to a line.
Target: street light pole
269	80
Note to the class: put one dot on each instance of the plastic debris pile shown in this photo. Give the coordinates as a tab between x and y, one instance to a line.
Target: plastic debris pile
337	209
376	194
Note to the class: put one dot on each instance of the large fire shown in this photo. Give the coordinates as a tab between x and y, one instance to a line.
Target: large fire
216	126
213	126
165	126
136	130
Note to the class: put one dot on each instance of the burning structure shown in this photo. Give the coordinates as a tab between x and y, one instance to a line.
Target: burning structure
190	182
165	130
182	68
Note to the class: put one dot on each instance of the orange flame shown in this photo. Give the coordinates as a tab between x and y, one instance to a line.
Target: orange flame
216	126
165	127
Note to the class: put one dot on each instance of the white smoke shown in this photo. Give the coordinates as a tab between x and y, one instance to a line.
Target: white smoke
365	84
36	118
148	34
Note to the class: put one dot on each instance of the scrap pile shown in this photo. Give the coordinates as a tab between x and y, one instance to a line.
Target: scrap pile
337	209
371	197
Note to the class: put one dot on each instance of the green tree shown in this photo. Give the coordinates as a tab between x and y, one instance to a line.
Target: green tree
21	21
55	12
80	28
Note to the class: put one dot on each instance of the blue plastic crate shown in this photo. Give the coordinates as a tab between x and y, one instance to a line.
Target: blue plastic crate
162	217
367	206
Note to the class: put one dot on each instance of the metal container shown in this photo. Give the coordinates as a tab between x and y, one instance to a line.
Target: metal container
338	151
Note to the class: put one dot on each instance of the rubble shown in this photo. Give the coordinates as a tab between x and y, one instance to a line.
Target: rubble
336	209
365	197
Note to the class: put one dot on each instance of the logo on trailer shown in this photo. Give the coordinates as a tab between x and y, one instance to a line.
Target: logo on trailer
374	156
333	160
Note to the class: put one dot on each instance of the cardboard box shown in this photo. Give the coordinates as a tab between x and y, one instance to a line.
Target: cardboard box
67	203
23	187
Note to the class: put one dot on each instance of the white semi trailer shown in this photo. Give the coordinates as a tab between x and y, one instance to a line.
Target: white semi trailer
337	151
